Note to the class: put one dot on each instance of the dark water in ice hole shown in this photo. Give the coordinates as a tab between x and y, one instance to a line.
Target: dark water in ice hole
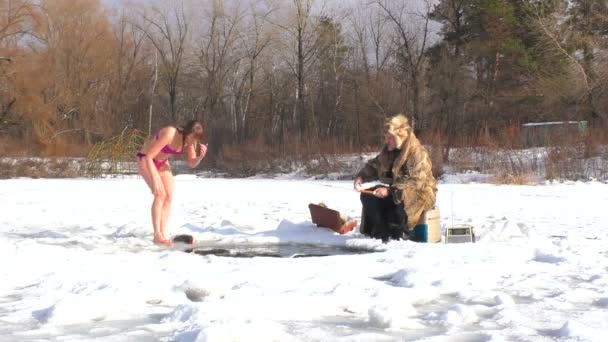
284	250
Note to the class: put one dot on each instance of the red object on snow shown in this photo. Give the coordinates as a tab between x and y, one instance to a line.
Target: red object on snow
329	218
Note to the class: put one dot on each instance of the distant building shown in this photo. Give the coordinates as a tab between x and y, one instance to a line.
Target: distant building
555	133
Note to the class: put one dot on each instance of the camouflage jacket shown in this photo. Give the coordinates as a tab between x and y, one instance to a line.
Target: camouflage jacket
408	171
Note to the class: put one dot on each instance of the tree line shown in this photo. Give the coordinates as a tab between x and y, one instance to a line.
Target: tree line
297	75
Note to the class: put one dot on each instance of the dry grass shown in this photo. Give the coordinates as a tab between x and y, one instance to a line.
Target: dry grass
11	148
529	179
40	168
571	163
59	148
255	157
109	156
584	159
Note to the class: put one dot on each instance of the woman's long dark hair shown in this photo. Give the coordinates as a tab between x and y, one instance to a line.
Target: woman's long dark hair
189	129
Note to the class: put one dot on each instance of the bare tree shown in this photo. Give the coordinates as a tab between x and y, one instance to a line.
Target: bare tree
380	40
373	39
218	67
77	41
15	18
168	33
128	58
152	91
302	41
330	66
360	37
411	45
254	42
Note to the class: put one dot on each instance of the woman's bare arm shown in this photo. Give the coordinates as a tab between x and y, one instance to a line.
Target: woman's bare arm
193	160
165	137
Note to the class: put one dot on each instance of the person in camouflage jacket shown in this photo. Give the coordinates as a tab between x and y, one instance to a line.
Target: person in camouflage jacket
405	166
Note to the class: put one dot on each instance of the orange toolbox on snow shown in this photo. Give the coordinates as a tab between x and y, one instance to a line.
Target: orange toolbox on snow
322	216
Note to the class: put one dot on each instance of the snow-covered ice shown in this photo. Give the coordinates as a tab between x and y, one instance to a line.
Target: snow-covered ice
78	264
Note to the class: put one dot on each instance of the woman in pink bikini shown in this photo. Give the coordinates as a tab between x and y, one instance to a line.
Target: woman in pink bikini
154	166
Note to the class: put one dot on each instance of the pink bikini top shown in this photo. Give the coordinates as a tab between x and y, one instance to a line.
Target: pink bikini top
168	150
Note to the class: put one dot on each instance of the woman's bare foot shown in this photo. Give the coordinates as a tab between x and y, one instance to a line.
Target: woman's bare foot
162	241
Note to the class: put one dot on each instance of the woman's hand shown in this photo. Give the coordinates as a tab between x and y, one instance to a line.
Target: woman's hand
158	188
382	192
193	159
358	183
203	149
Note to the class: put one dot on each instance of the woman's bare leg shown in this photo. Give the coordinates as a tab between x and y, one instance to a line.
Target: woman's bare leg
157	204
143	170
169	184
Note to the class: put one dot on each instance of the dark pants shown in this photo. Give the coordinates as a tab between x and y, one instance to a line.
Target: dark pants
383	218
